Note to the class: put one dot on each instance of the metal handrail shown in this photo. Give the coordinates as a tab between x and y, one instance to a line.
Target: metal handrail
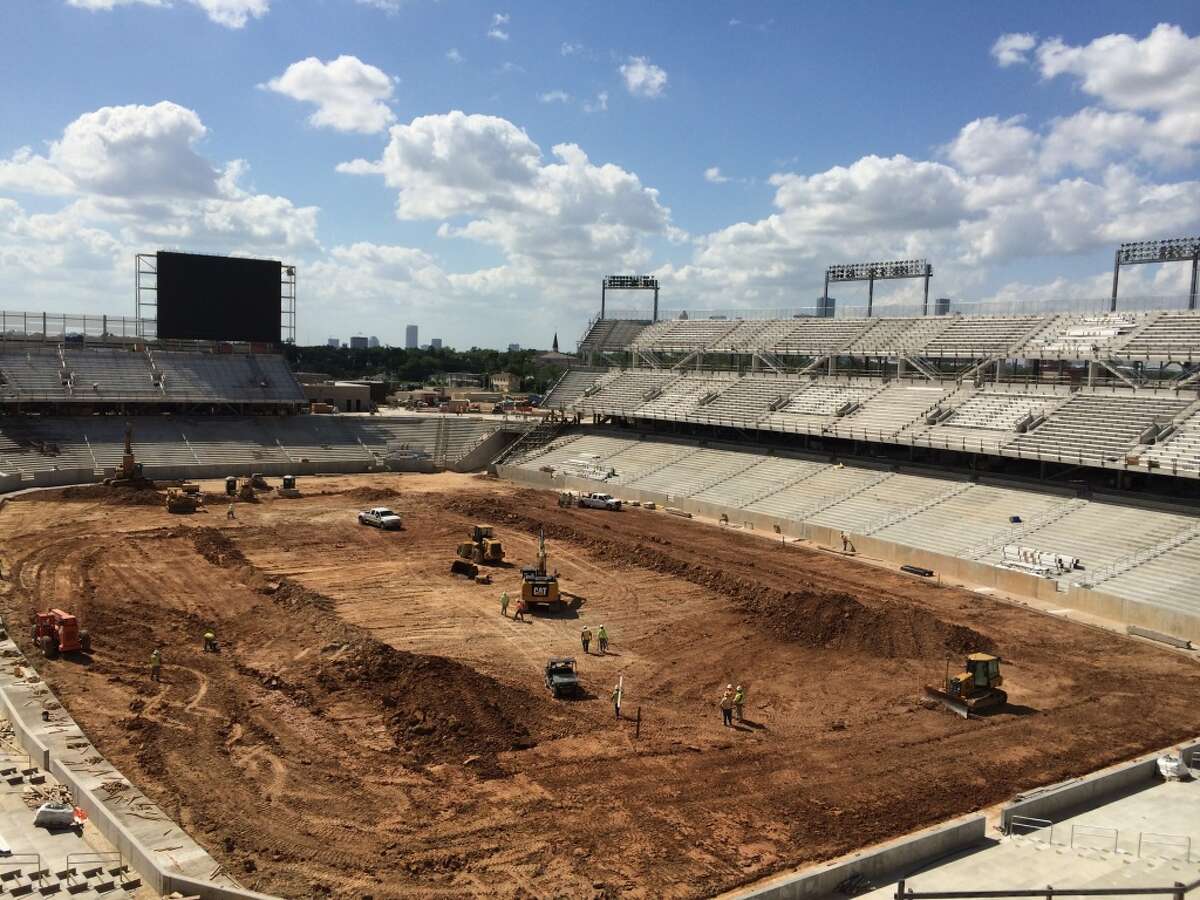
1177	891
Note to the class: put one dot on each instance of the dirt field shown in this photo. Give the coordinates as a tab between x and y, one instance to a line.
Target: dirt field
373	727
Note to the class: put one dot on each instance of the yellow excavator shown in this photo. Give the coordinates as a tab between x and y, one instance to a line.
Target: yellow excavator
974	689
538	585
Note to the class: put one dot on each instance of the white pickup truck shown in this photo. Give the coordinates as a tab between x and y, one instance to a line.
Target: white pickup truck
380	517
600	501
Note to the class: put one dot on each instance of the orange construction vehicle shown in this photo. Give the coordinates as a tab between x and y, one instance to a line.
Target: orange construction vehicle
58	632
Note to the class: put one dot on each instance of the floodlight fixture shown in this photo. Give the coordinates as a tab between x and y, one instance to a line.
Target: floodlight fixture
1133	253
871	272
628	283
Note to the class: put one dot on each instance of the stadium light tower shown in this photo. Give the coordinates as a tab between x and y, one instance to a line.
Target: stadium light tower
629	283
1133	253
880	271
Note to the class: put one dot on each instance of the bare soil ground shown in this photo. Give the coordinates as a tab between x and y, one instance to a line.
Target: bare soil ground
373	727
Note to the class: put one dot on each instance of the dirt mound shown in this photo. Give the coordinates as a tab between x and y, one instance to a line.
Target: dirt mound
371	495
114	496
436	709
441	710
218	549
806	614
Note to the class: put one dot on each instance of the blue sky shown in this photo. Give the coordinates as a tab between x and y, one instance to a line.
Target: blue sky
1012	144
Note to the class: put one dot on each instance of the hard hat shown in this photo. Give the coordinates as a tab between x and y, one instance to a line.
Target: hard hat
739	687
729	687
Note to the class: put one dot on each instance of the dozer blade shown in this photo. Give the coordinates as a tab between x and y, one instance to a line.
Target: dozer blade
463	567
956	706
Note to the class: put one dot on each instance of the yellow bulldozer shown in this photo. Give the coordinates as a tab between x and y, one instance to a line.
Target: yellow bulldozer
972	690
481	549
182	501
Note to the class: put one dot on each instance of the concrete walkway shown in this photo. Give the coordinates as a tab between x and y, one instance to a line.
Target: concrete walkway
1143	838
77	863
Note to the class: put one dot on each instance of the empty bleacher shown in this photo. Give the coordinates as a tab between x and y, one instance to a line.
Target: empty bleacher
625	392
818	402
891	410
106	374
684	334
610	334
1098	425
1165	335
1079	337
679	399
898	336
569	388
808	495
978	337
1180	451
886	499
34	373
816	336
748	399
762	475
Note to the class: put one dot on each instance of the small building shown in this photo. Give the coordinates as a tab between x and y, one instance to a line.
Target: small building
358	342
504	382
435	343
347	396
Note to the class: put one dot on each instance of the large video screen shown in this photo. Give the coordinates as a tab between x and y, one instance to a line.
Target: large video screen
218	298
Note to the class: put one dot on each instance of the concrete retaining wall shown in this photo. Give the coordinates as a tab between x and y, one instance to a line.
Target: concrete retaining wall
165	857
1063	800
1120	609
878	864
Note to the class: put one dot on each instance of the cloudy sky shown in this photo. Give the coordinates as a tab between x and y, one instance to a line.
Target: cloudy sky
476	168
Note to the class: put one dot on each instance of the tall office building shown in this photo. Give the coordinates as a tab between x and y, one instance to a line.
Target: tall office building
358	342
410	337
826	307
941	306
435	343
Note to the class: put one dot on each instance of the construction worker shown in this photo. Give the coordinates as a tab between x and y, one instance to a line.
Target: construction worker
616	699
210	642
230	514
156	664
726	705
602	640
504	604
585	638
847	545
521	609
739	700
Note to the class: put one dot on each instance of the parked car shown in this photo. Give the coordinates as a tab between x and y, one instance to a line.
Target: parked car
380	517
600	501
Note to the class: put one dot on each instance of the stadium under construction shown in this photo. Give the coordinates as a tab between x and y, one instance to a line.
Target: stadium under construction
828	511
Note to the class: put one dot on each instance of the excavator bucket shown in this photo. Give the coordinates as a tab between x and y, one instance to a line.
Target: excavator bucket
954	704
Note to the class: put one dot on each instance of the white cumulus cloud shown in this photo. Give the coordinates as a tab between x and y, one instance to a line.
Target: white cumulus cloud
713	174
350	95
643	78
1014	48
230	13
555	96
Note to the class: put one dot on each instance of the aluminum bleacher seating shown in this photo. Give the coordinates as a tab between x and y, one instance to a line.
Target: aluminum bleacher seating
34	373
1180	451
685	334
1165	335
900	335
1080	337
680	398
891	411
610	334
978	337
1098	425
569	388
815	336
624	393
818	402
110	374
745	401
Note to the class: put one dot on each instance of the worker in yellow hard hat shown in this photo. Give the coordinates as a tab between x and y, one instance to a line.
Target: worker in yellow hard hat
210	641
156	664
